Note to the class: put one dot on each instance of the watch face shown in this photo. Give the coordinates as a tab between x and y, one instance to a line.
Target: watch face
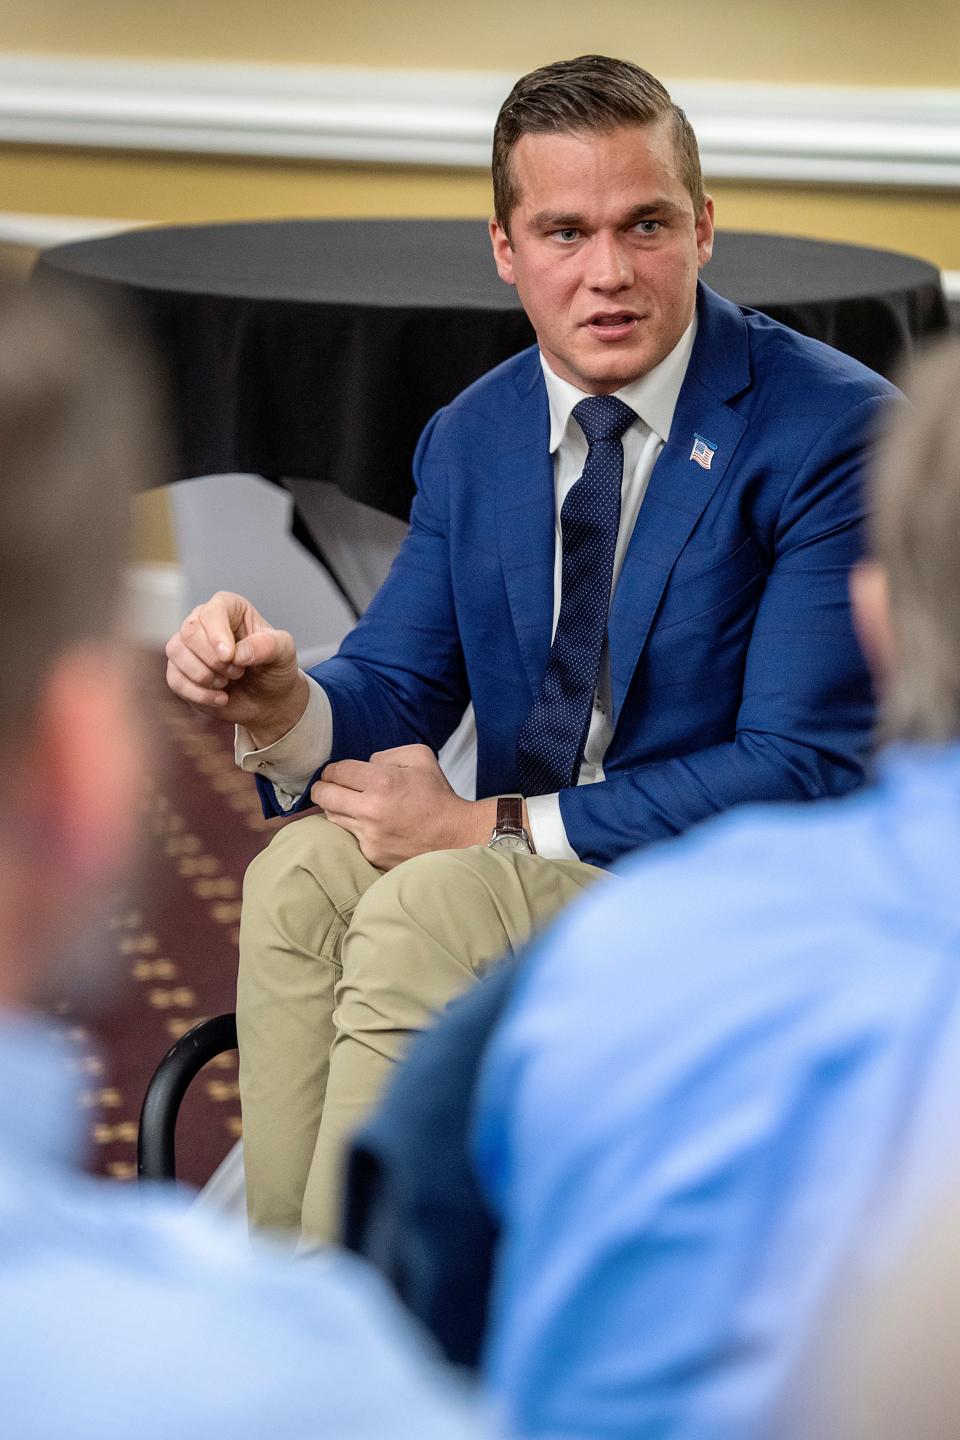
510	842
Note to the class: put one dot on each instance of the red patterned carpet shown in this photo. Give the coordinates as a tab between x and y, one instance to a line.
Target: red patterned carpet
176	944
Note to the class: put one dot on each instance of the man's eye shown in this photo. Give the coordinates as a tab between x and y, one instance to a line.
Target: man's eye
647	227
568	234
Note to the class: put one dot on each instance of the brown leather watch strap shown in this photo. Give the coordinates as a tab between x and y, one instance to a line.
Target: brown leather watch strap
510	812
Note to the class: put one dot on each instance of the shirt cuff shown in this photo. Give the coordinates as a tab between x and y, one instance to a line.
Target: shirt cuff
293	759
547	830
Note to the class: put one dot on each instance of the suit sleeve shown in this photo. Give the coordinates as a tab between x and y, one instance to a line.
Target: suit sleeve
399	677
804	721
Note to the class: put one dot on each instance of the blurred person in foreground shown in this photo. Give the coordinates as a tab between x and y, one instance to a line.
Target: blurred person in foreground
121	1313
669	1200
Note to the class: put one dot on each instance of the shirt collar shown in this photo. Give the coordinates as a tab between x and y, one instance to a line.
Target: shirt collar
654	396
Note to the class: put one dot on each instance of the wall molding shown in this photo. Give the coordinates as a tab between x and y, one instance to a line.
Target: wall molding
808	134
38	231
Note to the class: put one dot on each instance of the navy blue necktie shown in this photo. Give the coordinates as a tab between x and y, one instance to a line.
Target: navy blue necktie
550	745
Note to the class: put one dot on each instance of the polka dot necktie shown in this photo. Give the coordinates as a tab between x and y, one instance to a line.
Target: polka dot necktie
550	745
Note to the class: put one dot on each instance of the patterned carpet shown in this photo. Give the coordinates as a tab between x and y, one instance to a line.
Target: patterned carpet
175	935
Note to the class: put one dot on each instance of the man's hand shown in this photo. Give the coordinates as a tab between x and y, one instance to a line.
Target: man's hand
399	804
227	661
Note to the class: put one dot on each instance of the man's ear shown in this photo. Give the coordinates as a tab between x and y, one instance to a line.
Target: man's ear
704	231
502	251
84	761
870	601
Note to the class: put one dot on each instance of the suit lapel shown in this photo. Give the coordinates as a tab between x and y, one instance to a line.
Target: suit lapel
526	518
679	488
677	494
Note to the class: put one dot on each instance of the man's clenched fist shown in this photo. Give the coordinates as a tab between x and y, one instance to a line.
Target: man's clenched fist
227	660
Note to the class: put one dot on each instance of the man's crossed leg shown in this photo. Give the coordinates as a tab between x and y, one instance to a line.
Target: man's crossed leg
340	963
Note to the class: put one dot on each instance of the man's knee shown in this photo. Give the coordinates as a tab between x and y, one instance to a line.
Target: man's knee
284	850
413	891
445	901
299	893
304	848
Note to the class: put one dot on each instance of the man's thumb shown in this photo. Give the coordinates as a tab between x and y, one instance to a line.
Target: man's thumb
265	647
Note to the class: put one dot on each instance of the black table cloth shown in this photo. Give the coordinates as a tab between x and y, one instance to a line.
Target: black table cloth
320	348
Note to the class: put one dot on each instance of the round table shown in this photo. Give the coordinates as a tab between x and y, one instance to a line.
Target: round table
319	348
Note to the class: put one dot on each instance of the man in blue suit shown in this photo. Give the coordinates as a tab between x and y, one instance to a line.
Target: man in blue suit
629	549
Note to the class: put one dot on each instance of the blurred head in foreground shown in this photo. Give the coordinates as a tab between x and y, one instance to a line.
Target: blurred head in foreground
124	1312
78	433
889	1355
907	597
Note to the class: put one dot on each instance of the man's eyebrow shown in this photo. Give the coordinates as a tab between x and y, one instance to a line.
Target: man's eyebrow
652	209
556	220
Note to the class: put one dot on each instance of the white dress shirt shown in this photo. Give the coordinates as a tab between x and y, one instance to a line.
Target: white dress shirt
290	761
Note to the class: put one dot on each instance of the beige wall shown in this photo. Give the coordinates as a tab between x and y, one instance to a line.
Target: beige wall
171	188
869	42
860	42
152	530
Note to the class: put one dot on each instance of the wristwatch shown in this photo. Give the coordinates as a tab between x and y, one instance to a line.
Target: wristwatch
508	832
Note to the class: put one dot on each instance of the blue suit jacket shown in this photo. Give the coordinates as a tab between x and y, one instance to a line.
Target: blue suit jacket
735	672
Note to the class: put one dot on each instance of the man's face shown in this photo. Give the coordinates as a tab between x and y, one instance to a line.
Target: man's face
604	250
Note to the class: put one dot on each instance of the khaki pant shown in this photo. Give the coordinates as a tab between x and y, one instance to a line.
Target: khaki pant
339	965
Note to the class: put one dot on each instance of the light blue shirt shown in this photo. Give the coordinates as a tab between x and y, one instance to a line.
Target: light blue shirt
123	1315
728	1080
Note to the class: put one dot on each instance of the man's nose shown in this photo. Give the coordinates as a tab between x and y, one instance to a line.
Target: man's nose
610	266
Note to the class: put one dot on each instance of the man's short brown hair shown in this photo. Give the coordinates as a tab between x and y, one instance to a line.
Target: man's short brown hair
593	92
79	432
915	534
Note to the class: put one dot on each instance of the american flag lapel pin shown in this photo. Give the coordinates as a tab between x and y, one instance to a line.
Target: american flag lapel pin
703	452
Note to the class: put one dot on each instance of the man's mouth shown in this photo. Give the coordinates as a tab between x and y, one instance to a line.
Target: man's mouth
613	324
